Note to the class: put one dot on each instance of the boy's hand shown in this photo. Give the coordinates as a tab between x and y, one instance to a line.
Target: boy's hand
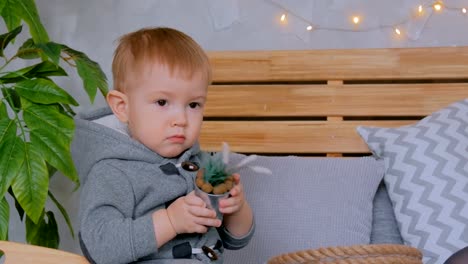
236	200
188	214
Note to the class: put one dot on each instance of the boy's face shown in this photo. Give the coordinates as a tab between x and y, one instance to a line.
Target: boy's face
165	112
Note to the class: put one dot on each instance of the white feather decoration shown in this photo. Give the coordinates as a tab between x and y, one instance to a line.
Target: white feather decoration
246	160
260	169
225	153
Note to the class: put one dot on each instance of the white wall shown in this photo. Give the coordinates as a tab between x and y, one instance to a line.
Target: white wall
92	26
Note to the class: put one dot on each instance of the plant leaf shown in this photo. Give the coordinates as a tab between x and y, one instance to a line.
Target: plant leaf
31	184
90	72
6	38
44	233
52	50
2	5
11	13
40	70
52	132
11	156
3	110
28	50
64	213
4	218
16	10
9	93
44	92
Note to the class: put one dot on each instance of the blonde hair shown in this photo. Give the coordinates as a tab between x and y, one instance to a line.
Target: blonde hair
164	46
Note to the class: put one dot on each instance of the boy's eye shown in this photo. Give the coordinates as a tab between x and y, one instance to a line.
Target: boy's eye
161	102
194	105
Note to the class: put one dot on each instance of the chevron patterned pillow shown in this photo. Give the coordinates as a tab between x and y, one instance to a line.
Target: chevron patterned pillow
427	178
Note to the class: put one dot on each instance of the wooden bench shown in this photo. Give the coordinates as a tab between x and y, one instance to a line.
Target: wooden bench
309	102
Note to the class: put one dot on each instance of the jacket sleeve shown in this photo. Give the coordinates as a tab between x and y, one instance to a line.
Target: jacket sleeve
108	231
232	242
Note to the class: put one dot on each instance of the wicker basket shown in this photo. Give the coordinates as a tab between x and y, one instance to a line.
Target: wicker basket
359	254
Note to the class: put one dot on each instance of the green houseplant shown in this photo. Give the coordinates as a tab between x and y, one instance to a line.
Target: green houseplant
36	120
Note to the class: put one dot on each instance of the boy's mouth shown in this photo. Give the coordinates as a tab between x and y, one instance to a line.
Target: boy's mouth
177	138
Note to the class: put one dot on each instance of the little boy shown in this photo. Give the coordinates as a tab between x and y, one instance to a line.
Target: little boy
137	202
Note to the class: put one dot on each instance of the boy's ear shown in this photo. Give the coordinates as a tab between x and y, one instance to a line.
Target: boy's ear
118	102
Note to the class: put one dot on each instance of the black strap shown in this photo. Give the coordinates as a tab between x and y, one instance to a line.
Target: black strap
169	169
183	250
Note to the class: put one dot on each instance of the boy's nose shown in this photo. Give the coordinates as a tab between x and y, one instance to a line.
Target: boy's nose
180	119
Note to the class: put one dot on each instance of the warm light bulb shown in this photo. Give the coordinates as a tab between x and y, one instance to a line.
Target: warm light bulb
464	10
356	20
437	6
397	31
420	9
283	17
309	28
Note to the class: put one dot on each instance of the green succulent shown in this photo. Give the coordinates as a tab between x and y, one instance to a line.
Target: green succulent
214	169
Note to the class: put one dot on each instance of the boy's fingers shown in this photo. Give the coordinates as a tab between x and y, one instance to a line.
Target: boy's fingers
236	177
202	212
192	199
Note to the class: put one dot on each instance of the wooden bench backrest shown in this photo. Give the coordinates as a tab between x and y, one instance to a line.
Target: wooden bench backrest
309	102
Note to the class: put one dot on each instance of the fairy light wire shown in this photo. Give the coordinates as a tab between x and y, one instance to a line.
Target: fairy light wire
358	27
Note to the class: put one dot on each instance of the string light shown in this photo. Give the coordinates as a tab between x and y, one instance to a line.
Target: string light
283	18
356	20
437	6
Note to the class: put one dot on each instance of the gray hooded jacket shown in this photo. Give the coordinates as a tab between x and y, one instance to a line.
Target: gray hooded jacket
122	184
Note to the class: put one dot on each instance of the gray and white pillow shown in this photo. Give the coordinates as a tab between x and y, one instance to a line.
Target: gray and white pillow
427	179
307	203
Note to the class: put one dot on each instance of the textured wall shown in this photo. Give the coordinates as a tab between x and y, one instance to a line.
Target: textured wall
92	26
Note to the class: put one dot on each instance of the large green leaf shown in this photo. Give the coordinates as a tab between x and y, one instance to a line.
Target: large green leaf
64	213
44	92
29	50
90	72
2	5
11	13
44	233
4	218
31	16
6	38
31	184
40	70
11	155
15	10
52	132
52	50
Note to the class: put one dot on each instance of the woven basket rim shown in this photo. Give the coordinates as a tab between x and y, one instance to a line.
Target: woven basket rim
383	253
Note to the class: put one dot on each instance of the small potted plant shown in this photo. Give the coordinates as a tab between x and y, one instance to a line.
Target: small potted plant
215	178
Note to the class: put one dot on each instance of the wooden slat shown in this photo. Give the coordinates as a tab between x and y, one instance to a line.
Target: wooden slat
288	136
356	64
331	100
16	253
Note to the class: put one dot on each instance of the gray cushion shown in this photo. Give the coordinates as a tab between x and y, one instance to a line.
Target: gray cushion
308	203
384	225
427	179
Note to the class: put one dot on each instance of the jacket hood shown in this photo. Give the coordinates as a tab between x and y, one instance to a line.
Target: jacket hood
99	135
